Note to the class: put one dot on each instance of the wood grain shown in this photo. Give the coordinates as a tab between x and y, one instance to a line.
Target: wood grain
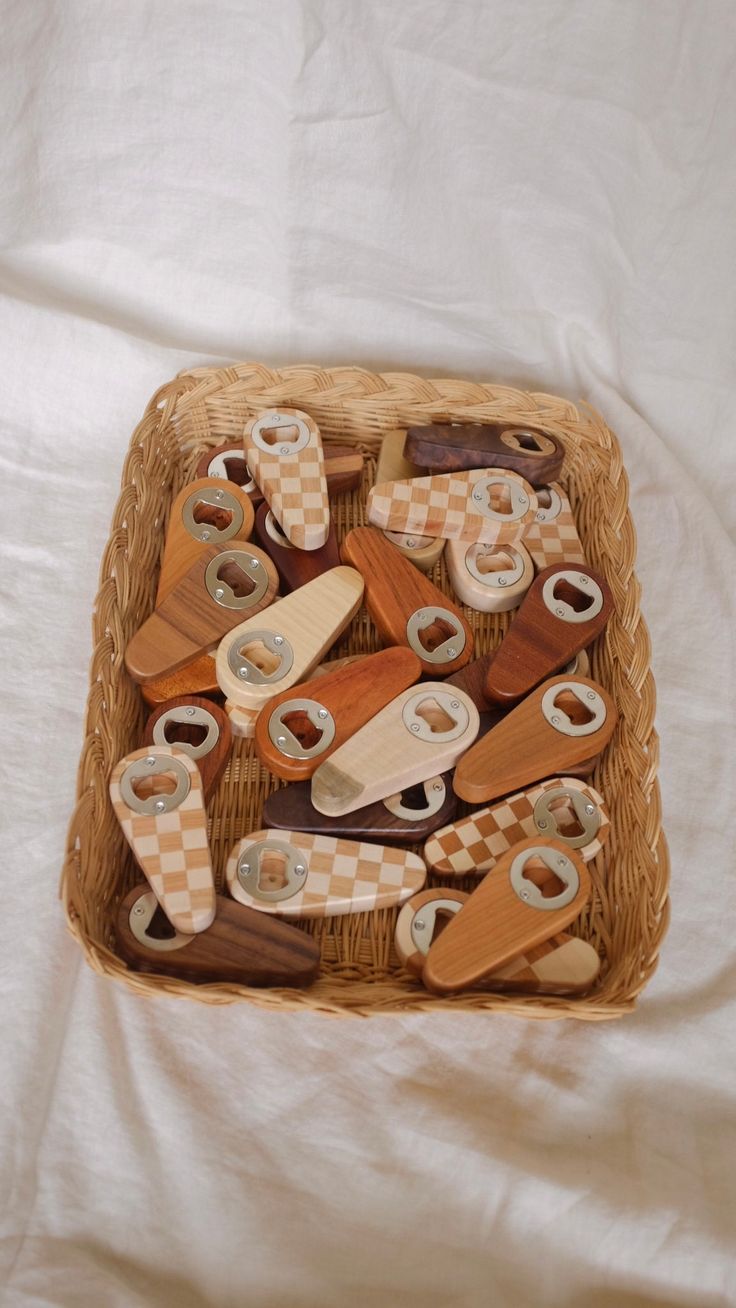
181	548
293	481
564	965
410	956
196	678
291	808
455	506
189	736
456	447
485	576
294	566
343	468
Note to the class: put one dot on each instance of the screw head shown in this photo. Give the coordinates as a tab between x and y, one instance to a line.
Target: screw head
560	613
590	694
139	908
477	495
437	785
219	494
150	761
540	515
219	592
555	720
300	870
542	823
322	713
281	740
284	449
205	535
583	580
419	924
522	499
189	712
562	862
525	894
454	703
502	581
243	672
278	640
254	563
451	651
410	543
160	805
590	809
415	726
245	867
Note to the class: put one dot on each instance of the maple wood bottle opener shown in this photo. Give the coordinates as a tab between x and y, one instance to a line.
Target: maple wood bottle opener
283	449
535	890
406	607
422	551
423	731
204	513
157	796
490	578
564	609
199	728
564	808
240	947
263	657
444	447
343	468
222	586
407	818
300	728
295	874
294	566
486	504
552	537
565	722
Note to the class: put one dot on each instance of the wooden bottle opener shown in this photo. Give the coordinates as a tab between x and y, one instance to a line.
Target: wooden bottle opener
294	566
199	728
407	818
243	720
157	796
423	731
283	448
407	608
445	447
563	808
221	587
552	536
418	920
240	948
422	551
392	464
300	728
294	874
263	657
564	609
204	513
343	468
535	890
490	578
486	504
195	678
565	722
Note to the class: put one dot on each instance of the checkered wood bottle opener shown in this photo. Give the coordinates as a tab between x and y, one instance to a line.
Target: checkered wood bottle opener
157	796
204	513
283	449
343	468
487	504
456	447
199	728
422	551
552	537
406	818
295	874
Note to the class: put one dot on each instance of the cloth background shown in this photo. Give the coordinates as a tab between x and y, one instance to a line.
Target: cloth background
540	194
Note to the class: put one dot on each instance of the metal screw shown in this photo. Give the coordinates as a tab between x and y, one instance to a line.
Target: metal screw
502	581
477	495
590	809
278	640
421	617
438	785
245	867
160	805
219	592
242	672
451	652
219	494
139	908
522	499
281	740
190	712
284	449
254	563
322	713
590	694
410	542
419	924
205	535
525	894
540	516
583	580
555	719
560	613
150	761
300	870
562	862
542	823
415	726
454	703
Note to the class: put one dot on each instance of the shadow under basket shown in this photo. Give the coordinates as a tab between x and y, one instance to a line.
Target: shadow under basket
628	911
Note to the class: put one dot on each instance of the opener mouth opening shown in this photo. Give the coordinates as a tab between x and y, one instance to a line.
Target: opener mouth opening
571	595
236	578
500	497
212	515
161	783
544	878
180	733
287	435
490	559
568	823
237	469
435	634
567	702
280	433
260	657
417	802
272	871
437	718
302	728
159	927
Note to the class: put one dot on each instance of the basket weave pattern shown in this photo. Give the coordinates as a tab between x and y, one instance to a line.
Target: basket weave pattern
628	912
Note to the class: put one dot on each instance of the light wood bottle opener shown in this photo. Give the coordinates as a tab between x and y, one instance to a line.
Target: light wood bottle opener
407	818
222	586
199	728
263	657
445	447
294	566
343	468
301	727
422	551
204	513
241	947
564	609
166	829
565	722
406	607
490	578
283	448
486	504
564	808
423	731
535	890
295	874
553	536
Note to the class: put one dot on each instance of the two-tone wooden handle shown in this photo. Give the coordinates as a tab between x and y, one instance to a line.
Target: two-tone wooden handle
486	504
406	818
283	448
198	727
553	537
294	566
456	447
205	513
343	468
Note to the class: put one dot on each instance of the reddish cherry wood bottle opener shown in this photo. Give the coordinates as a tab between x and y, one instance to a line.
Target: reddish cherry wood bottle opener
406	606
564	722
564	609
157	796
535	890
204	514
445	447
295	874
343	468
553	537
284	452
490	578
195	678
199	728
241	947
300	728
407	818
294	566
487	504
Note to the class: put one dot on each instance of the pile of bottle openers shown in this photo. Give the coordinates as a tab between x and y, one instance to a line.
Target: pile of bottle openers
377	748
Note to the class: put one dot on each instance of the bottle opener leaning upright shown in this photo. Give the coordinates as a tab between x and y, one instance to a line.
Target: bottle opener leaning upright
490	578
204	513
553	537
457	447
283	448
198	727
294	566
486	504
406	818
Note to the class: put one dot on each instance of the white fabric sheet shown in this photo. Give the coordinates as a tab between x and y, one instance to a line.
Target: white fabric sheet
537	193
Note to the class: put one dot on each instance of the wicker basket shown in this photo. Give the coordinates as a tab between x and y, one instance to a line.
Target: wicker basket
628	912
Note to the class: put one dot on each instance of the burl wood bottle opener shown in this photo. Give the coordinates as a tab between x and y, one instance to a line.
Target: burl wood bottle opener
486	504
565	722
294	566
407	818
283	448
343	468
553	536
564	808
157	796
422	551
263	657
199	728
300	728
446	447
564	609
222	586
406	606
490	578
240	947
423	731
294	874
535	890
204	513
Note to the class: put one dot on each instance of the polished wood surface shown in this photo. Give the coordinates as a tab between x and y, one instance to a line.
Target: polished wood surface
343	468
294	566
291	808
186	734
292	480
564	965
456	447
392	465
456	506
181	548
196	678
484	576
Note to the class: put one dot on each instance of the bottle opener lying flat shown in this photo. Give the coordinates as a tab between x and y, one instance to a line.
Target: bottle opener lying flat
199	728
221	587
406	607
156	793
204	513
294	874
483	505
343	468
294	566
240	948
563	808
243	720
263	657
564	609
283	448
490	578
535	890
553	537
421	918
407	818
423	731
195	678
300	728
565	722
445	447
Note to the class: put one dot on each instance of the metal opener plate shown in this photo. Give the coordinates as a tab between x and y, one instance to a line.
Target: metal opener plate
580	581
508	577
189	715
285	740
273	420
481	501
587	813
434	793
217	499
450	649
154	765
558	719
249	869
423	921
513	437
419	727
247	671
140	918
222	593
562	866
552	510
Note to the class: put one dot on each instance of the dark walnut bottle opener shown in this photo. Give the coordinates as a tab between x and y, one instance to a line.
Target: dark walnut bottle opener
450	447
406	818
